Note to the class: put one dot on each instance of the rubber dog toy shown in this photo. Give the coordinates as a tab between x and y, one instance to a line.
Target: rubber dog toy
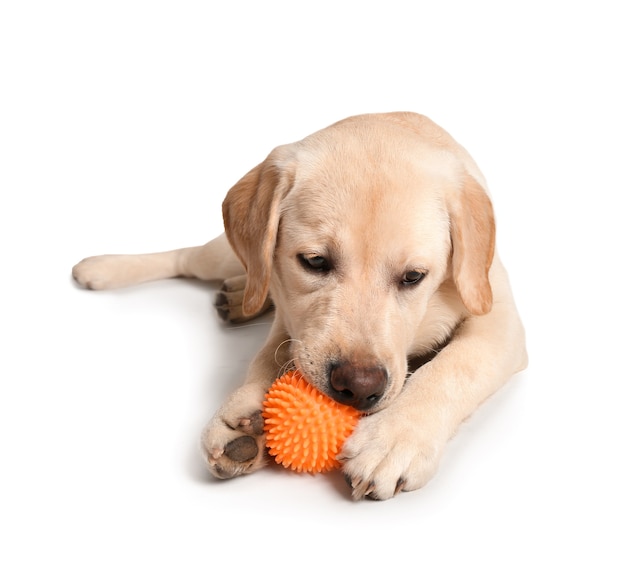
305	430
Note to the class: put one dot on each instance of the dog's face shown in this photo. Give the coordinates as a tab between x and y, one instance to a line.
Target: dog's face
374	243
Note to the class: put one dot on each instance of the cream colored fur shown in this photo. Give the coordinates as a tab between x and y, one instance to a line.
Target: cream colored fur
377	198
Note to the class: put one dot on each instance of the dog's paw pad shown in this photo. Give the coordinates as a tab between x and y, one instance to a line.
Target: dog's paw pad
229	452
252	425
241	449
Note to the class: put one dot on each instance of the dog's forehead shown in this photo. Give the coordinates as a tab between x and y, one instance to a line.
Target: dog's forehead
371	194
373	168
372	162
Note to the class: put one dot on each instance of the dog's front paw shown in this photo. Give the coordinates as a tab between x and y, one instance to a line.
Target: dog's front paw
387	454
233	446
229	300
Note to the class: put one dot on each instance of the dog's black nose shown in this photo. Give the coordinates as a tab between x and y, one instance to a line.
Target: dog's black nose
356	385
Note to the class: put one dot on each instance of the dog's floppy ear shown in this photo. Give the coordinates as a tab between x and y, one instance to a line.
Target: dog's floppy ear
473	232
251	217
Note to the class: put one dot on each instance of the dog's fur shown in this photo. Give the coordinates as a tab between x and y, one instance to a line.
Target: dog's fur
375	239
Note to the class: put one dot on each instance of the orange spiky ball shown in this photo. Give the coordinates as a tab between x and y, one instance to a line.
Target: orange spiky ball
305	430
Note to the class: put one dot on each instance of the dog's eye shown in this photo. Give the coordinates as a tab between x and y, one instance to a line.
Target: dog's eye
412	277
315	263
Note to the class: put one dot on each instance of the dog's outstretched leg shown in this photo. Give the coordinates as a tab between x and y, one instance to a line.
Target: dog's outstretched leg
213	261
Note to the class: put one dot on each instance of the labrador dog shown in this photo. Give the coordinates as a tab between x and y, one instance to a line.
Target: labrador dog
374	239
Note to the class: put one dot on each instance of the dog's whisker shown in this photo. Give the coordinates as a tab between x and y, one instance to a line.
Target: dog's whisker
289	365
285	342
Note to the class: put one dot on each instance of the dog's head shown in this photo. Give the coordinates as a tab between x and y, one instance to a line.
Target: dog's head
374	237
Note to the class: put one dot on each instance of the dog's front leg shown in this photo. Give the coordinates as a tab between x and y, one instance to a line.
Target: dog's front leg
233	442
399	448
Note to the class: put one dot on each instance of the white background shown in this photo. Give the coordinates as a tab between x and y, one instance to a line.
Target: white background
123	124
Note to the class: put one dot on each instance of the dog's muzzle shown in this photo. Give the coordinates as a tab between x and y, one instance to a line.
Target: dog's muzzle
359	386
